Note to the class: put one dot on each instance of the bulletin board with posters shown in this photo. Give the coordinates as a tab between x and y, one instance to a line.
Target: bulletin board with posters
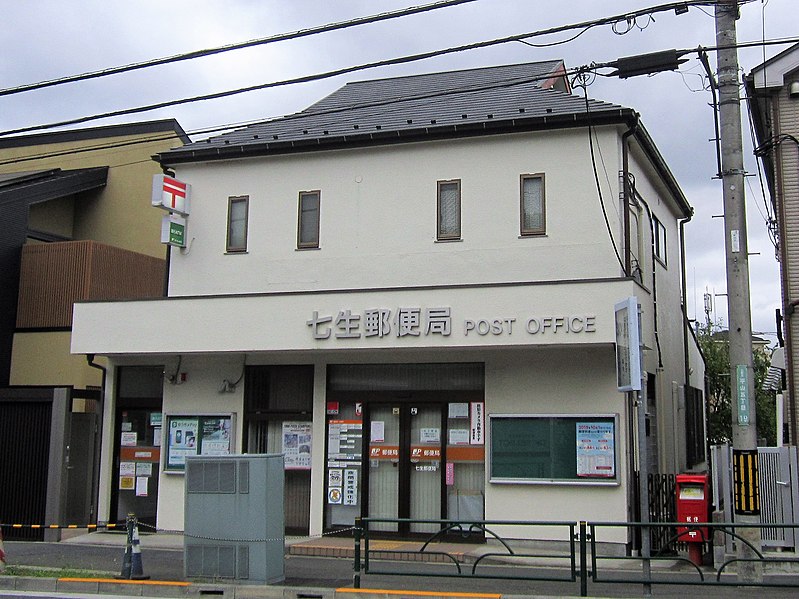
191	435
554	449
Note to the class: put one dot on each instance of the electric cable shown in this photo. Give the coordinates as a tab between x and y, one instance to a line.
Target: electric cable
280	37
596	180
381	63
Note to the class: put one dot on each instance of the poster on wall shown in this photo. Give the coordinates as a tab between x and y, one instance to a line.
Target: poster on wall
210	435
477	432
595	450
297	445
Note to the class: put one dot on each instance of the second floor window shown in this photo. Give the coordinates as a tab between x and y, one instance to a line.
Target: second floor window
659	239
237	210
449	210
532	205
308	220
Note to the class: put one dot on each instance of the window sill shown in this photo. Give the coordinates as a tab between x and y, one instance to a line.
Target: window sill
459	239
532	235
236	252
307	249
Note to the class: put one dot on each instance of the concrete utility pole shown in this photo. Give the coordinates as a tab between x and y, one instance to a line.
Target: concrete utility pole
744	429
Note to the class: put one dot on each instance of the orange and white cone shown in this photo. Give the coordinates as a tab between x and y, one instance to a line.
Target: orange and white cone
2	553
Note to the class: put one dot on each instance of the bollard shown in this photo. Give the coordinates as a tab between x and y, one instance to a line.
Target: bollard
132	568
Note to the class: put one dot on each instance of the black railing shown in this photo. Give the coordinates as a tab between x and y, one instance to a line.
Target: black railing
573	553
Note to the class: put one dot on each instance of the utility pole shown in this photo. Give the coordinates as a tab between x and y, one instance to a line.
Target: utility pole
744	429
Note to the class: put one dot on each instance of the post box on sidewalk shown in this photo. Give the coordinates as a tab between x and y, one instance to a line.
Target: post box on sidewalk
693	505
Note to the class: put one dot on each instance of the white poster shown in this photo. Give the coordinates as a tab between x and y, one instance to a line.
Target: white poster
127	469
378	434
182	440
458	410
477	433
128	439
595	450
430	435
144	469
350	487
459	436
297	445
141	486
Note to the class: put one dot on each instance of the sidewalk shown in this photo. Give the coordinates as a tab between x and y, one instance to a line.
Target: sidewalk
322	568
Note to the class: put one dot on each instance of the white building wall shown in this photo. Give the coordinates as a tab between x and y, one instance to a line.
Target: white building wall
378	217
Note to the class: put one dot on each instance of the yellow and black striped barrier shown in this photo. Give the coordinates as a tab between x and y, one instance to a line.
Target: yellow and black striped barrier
745	482
109	525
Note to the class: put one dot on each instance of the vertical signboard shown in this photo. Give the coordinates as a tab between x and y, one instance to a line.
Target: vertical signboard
628	345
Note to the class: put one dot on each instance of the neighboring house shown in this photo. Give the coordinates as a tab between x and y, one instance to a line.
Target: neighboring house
408	289
773	96
77	225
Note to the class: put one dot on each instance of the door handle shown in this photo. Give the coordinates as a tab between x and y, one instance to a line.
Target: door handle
782	482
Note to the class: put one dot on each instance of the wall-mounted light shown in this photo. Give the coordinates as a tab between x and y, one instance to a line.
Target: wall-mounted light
793	90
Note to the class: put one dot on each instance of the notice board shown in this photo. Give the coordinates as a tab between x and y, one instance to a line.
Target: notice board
190	435
562	448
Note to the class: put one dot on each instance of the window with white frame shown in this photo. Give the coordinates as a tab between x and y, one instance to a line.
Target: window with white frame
449	210
237	213
532	208
308	219
659	239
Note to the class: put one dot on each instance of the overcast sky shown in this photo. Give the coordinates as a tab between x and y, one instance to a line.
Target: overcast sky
41	40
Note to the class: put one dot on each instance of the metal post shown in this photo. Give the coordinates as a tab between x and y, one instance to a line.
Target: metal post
643	486
356	577
583	561
744	429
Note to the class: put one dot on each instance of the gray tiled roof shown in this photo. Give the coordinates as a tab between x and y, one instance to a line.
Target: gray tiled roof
451	103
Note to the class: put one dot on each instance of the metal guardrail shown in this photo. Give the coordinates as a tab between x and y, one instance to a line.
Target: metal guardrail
584	559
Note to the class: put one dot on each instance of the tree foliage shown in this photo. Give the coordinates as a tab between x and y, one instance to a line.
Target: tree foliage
715	347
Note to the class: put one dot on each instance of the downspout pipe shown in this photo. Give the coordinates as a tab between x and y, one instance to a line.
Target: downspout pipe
627	192
98	440
686	322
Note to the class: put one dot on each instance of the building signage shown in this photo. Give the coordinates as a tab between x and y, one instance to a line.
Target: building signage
628	345
171	194
173	230
409	322
742	384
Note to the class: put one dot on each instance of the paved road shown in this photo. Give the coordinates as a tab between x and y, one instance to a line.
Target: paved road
320	572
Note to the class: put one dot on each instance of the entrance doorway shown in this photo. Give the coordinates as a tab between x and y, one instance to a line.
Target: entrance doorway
404	473
137	443
404	442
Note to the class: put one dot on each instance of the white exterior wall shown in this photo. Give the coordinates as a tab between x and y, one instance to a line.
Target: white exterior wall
378	217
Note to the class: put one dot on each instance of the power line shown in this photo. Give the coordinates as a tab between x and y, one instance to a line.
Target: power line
378	104
388	62
280	37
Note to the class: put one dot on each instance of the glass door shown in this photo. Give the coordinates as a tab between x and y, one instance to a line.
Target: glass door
424	467
405	475
384	465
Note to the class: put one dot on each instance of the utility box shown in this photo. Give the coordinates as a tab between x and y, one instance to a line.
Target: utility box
693	505
234	522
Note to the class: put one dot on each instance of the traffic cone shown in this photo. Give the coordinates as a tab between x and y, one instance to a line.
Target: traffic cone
2	553
132	568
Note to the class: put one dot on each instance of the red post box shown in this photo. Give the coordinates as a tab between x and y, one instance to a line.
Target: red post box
693	505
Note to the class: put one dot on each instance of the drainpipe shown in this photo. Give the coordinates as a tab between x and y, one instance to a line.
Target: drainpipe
626	192
686	362
98	439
